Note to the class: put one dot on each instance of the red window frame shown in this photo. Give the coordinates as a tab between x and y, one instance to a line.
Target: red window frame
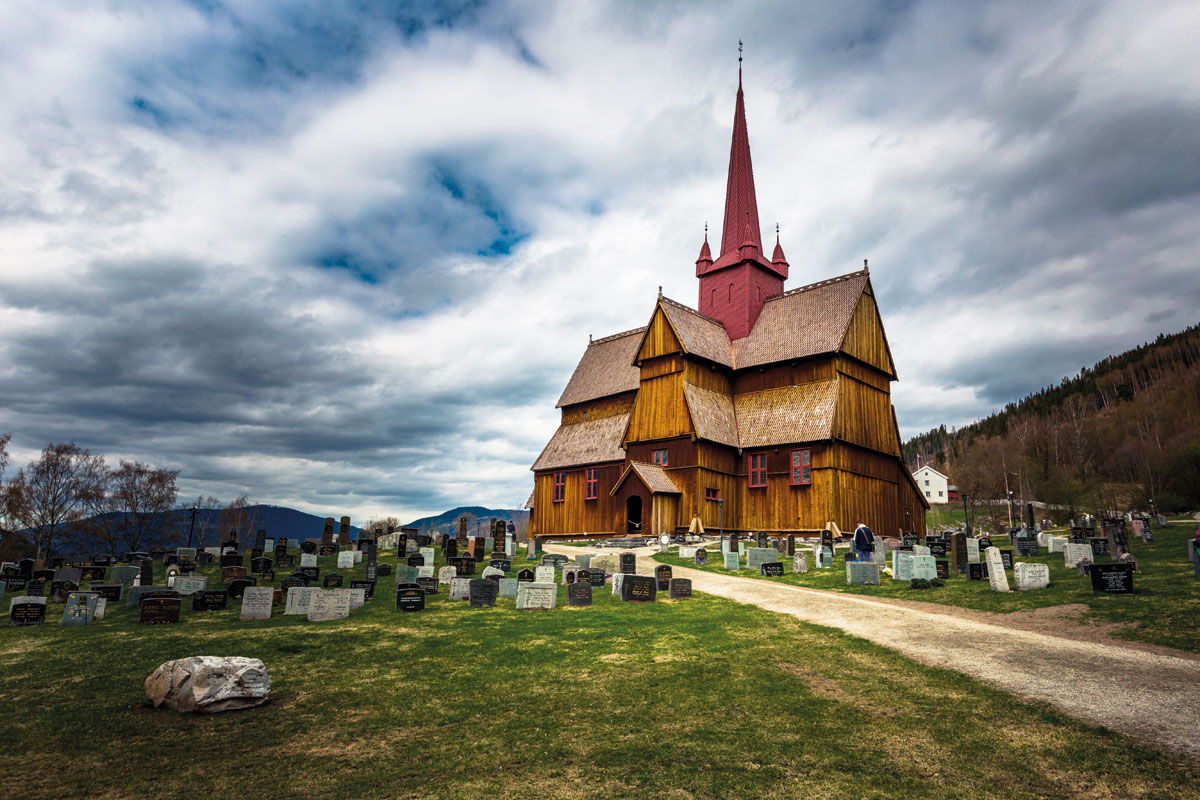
660	457
711	493
757	470
593	482
560	486
801	467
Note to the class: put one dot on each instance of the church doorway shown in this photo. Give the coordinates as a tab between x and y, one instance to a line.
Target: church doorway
633	515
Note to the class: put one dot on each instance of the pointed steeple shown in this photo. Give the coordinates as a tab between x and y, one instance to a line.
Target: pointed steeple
705	260
777	257
741	206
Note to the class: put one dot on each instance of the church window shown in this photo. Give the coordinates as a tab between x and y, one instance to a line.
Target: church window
730	296
560	486
660	457
758	469
592	483
801	467
712	493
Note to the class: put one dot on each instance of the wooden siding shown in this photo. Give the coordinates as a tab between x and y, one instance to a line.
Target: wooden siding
659	338
707	377
598	409
864	417
575	515
661	365
865	339
758	379
660	411
860	371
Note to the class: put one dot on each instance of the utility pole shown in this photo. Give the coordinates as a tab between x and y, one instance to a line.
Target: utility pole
966	513
192	526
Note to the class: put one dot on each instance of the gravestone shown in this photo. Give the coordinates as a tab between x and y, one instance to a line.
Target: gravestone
861	573
800	563
26	610
90	572
502	564
569	575
416	560
628	563
109	591
345	560
160	608
329	604
960	552
617	580
508	588
733	544
976	571
1099	545
732	562
447	574
410	599
596	577
920	550
1006	558
525	576
532	596
256	602
791	544
79	610
1112	578
662	575
285	561
1030	576
344	531
450	548
543	575
428	583
638	588
210	601
1074	553
464	565
1028	546
995	567
756	556
298	599
902	566
579	593
332	580
585	560
942	568
679	589
701	557
367	586
1058	544
460	588
482	593
924	567
384	570
188	585
771	569
146	571
937	548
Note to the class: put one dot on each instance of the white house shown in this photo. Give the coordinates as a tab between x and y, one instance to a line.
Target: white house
934	484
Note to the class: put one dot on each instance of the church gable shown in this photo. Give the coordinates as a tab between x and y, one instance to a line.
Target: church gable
659	338
864	338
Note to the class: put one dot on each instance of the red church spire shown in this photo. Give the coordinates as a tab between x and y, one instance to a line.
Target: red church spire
705	260
741	206
777	257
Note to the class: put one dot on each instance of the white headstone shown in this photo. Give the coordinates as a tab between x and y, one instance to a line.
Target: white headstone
460	588
536	595
924	567
190	584
862	572
256	602
427	554
902	566
345	560
996	574
618	579
357	555
800	563
543	574
1057	543
732	562
972	550
298	598
920	550
1030	576
445	575
1073	553
489	571
308	559
687	552
358	597
328	604
508	587
427	571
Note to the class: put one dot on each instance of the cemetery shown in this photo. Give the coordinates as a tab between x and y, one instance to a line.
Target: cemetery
380	682
1161	609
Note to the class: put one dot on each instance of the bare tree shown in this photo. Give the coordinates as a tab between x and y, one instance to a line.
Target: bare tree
238	519
132	507
51	495
204	522
5	438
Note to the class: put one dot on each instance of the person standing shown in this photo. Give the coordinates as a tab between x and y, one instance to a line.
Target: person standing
864	541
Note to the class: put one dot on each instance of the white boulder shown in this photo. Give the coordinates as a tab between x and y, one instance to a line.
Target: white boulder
209	684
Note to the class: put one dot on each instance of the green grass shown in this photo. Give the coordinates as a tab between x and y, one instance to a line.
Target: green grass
679	699
1165	609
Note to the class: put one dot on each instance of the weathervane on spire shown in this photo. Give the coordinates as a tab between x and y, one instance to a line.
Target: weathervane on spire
739	60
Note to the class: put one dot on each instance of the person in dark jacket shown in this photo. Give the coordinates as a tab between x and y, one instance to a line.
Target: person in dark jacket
864	541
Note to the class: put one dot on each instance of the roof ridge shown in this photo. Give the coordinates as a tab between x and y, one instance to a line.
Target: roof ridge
819	284
621	335
691	310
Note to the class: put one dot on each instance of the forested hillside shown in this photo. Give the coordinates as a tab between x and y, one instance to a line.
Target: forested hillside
1115	436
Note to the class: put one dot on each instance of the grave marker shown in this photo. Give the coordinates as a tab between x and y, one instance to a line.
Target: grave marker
579	593
1112	578
508	588
800	563
329	604
1028	576
861	573
210	600
701	557
995	567
256	602
531	596
367	586
410	599
26	610
638	588
771	569
460	589
662	575
159	609
80	609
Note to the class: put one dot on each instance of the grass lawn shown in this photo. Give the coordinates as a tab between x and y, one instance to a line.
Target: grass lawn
1165	609
679	699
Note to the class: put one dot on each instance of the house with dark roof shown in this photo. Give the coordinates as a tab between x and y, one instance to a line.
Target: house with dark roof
759	410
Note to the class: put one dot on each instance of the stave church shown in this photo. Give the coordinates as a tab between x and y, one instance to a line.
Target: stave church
758	410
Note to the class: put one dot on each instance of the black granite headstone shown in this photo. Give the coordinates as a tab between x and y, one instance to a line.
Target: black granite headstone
502	564
525	576
579	593
701	557
1112	578
22	614
368	585
430	585
409	599
208	600
482	593
662	574
463	565
628	563
159	609
332	580
771	569
595	577
638	588
680	587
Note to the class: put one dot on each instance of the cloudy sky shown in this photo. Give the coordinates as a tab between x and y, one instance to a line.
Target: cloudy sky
344	256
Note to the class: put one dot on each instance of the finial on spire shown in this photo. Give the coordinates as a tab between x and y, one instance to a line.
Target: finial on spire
660	292
866	268
739	63
589	338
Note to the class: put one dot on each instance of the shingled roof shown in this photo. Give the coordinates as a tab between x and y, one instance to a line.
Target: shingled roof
700	335
606	368
653	476
802	413
712	412
807	321
592	442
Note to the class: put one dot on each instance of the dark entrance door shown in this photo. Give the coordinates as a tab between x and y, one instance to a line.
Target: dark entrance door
633	514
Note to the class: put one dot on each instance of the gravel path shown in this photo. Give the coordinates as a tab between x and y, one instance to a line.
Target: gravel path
1150	696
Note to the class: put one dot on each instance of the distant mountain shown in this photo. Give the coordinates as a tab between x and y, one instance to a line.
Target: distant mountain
277	521
446	519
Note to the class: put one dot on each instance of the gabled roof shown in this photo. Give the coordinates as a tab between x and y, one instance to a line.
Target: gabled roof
700	335
785	415
605	369
807	321
652	476
931	469
591	442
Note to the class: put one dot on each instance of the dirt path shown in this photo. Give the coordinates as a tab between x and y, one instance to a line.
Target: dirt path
1151	696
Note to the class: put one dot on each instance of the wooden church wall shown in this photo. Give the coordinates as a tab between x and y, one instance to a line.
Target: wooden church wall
599	409
865	338
659	339
575	515
660	411
864	416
